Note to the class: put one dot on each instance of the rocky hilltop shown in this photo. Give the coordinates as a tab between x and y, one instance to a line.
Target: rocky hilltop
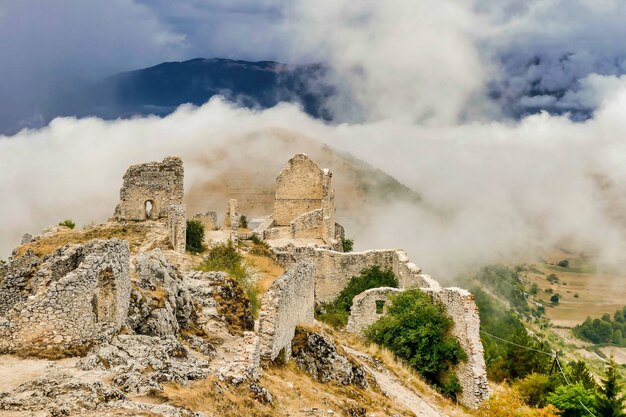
117	319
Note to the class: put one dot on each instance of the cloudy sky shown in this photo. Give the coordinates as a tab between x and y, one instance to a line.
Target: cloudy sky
524	54
447	95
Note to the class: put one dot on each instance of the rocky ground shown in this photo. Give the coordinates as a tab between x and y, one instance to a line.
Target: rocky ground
183	349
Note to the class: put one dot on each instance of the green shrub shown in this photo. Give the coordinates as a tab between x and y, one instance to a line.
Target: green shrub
573	400
564	263
555	299
195	236
347	244
337	312
243	221
69	223
417	330
225	257
553	278
534	388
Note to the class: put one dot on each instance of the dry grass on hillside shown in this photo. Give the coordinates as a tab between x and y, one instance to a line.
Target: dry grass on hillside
294	393
134	233
267	268
403	372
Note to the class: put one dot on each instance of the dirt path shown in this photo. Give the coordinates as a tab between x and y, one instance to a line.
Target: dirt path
393	387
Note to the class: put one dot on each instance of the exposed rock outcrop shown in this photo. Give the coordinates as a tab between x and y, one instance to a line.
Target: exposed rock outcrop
317	355
160	302
140	364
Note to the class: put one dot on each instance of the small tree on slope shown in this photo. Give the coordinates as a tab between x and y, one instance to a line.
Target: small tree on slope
610	401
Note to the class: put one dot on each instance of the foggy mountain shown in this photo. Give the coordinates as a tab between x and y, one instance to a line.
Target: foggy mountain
160	89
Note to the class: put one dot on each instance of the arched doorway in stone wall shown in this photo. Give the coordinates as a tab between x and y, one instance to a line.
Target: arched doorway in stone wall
149	209
104	301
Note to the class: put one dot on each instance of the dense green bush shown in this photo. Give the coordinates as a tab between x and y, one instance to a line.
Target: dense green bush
195	236
225	257
243	221
564	263
603	330
347	244
534	388
417	330
69	223
573	400
337	312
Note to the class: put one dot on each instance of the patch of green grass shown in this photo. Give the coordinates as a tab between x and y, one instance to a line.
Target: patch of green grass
69	223
225	257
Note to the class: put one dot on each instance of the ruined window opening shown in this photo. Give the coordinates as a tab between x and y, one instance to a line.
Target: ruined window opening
380	305
103	301
149	206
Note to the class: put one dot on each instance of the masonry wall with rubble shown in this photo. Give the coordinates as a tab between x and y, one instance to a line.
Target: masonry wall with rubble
177	227
301	188
472	374
287	303
334	270
372	304
368	307
76	297
155	184
208	219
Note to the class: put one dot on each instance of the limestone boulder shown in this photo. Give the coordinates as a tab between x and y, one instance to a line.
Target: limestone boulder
141	364
160	302
317	355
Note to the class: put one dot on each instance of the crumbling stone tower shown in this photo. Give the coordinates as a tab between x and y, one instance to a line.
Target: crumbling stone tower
150	189
305	200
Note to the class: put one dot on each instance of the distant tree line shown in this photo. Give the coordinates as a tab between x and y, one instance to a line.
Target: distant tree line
604	330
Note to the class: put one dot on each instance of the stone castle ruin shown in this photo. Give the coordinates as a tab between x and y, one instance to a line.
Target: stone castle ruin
81	295
304	200
75	298
154	191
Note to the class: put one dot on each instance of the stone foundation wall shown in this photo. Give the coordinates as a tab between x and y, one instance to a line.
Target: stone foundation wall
333	270
177	228
461	307
308	225
368	307
288	303
208	219
472	374
231	218
76	297
160	183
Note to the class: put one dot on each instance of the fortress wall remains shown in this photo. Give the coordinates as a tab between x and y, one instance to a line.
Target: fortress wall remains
288	303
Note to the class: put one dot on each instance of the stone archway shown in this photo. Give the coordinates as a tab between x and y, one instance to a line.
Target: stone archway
149	209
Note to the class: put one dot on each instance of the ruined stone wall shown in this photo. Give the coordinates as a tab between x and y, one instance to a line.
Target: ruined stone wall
160	183
308	225
461	307
177	227
288	303
328	209
299	189
368	307
208	220
472	374
74	298
231	218
333	270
